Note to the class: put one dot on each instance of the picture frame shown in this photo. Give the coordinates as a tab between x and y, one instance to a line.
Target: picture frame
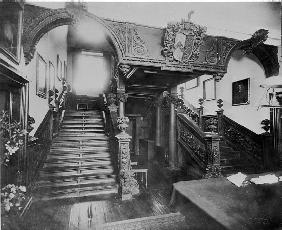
59	68
209	89
192	83
241	92
10	30
41	76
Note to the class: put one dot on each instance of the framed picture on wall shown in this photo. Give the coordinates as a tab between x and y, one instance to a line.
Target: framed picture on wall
10	29
241	92
59	68
192	83
41	77
209	89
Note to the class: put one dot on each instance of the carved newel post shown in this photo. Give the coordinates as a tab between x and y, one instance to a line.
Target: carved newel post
200	112
219	116
128	184
213	139
213	168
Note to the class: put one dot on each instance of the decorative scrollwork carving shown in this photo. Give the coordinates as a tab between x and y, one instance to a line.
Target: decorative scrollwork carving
192	142
111	99
138	44
37	21
121	96
257	38
122	123
242	138
124	69
210	124
182	41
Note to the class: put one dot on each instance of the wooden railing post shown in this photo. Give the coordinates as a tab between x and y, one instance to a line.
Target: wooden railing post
213	156
201	112
128	184
219	117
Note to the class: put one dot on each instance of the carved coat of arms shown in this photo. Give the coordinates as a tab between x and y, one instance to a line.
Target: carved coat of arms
182	41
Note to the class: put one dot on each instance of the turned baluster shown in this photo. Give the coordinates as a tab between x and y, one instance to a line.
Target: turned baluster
200	113
220	117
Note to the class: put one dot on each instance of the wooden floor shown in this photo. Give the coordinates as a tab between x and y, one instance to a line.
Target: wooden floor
86	214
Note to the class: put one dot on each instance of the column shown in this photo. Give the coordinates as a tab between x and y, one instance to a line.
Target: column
172	132
158	122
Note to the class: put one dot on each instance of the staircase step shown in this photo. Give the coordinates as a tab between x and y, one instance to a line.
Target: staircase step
78	157
82	125
78	164
79	193
78	135
81	182
80	149
75	173
89	130
96	138
86	144
83	121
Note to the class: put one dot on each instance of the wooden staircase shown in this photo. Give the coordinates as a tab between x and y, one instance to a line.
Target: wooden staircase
79	163
232	162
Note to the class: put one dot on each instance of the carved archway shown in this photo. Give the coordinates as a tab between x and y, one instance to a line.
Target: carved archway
37	21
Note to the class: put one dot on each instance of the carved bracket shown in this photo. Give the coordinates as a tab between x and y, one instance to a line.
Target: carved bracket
124	69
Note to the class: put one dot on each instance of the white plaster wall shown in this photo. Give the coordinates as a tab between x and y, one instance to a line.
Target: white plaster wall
90	73
239	68
51	44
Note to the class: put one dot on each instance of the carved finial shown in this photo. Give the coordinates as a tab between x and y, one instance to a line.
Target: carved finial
201	102
220	104
265	125
190	15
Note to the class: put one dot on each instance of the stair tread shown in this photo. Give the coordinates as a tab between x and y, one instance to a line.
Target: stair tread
76	194
47	184
74	173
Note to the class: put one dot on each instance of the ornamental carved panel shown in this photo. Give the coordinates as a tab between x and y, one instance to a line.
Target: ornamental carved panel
182	41
242	139
130	40
191	142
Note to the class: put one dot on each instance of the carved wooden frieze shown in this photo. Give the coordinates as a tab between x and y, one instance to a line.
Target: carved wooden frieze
186	45
132	43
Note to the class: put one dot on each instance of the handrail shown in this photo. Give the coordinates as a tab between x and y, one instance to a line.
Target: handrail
179	103
191	138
